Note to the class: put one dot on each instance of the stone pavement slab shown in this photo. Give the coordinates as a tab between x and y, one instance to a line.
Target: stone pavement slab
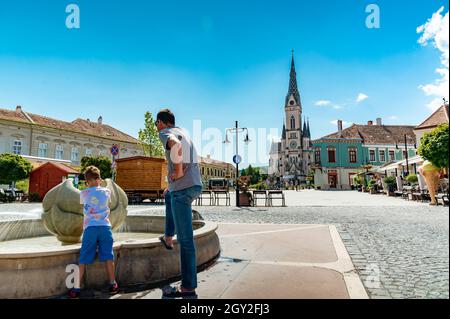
264	261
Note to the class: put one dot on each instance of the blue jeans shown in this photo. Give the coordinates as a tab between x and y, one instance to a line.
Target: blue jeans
179	219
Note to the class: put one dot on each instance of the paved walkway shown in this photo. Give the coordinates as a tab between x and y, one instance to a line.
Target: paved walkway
276	261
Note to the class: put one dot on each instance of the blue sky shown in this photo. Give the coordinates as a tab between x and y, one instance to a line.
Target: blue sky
216	61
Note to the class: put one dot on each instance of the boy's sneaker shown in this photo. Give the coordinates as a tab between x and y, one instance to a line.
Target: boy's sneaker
74	293
113	289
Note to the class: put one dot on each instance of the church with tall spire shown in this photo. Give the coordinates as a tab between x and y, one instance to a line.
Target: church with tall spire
290	158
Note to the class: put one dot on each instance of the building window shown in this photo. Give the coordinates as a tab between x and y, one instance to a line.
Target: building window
391	156
292	122
88	152
382	156
74	155
42	152
372	155
17	147
352	155
59	152
332	155
317	155
293	135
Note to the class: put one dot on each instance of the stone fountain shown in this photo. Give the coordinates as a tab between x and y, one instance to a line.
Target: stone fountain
38	256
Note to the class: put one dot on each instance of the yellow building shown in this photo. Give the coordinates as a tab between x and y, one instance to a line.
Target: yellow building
210	168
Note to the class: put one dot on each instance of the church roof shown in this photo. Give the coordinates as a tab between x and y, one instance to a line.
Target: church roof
293	87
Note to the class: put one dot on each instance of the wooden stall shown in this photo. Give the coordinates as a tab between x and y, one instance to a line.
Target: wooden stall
142	177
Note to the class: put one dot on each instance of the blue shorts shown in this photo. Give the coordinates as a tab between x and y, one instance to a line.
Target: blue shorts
96	237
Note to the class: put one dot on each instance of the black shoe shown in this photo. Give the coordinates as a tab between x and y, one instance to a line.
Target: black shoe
175	292
113	289
74	293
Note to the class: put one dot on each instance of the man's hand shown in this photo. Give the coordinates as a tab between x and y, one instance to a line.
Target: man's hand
165	192
179	173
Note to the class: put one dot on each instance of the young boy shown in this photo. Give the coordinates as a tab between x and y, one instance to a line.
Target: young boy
97	234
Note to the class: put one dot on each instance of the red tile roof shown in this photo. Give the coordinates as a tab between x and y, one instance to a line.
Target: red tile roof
62	167
79	125
440	116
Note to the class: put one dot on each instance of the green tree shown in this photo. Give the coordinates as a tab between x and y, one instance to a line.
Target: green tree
149	138
253	172
13	168
103	163
434	146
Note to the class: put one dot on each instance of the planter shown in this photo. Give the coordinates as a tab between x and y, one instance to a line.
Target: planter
245	199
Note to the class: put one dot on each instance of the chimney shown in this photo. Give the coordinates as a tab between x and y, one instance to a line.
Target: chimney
370	123
18	109
339	123
100	120
379	121
208	156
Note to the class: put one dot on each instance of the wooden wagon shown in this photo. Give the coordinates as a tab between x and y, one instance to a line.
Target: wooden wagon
142	178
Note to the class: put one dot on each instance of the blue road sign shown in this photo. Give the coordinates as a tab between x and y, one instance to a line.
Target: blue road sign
237	159
115	150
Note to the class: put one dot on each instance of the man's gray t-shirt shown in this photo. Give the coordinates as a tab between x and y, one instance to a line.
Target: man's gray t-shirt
191	167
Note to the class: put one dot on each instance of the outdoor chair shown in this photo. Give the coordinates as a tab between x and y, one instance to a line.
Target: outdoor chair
276	195
260	195
218	195
208	195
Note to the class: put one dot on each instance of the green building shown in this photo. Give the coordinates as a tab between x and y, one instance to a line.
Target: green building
338	157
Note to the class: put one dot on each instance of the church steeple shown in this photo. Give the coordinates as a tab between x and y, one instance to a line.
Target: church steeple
283	134
307	129
293	88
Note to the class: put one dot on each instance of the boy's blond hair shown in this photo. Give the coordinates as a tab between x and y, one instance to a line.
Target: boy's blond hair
92	173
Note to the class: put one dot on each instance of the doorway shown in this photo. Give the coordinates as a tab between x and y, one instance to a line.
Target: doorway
332	180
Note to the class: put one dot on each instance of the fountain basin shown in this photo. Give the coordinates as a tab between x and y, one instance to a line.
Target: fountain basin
33	264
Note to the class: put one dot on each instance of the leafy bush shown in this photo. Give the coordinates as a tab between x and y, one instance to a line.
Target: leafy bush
34	198
6	198
23	185
103	163
412	178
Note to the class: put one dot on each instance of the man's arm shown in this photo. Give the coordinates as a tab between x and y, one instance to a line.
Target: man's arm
176	154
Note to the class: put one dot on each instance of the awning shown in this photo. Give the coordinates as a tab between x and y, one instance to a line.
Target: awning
413	160
391	166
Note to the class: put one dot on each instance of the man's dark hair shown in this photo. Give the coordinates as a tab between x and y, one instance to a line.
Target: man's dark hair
166	116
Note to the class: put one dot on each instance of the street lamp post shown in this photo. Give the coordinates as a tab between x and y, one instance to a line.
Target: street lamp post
237	130
406	154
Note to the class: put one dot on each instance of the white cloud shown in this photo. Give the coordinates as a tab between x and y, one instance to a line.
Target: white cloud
435	30
323	103
329	104
393	117
361	97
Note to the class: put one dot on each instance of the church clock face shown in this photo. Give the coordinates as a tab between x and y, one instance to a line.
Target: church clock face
293	144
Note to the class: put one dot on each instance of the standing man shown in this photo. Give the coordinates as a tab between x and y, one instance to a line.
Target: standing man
185	185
